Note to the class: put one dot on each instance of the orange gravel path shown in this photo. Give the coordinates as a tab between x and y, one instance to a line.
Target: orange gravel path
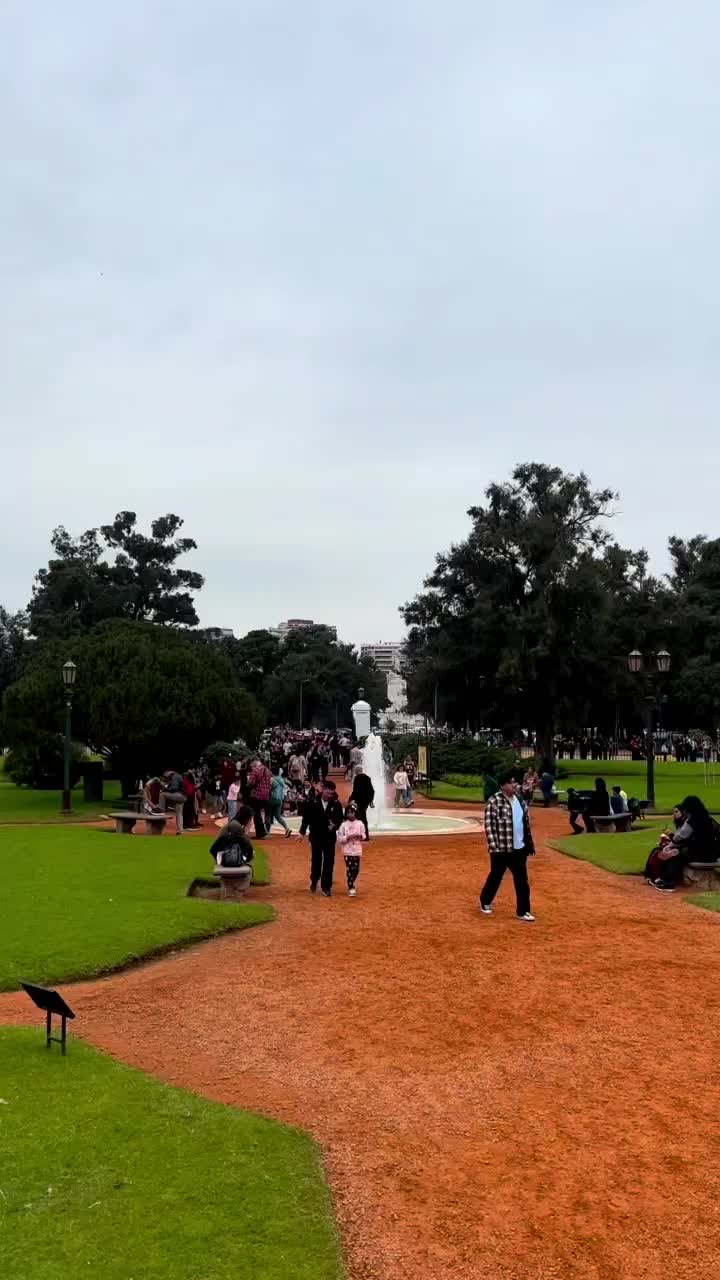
495	1101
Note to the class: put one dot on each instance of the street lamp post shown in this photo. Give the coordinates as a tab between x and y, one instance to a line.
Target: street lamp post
652	701
302	685
69	673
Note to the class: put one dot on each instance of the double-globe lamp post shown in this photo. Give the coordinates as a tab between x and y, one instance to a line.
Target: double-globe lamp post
69	672
636	665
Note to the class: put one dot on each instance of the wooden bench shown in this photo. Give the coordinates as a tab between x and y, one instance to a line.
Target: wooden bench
614	822
704	876
125	822
234	881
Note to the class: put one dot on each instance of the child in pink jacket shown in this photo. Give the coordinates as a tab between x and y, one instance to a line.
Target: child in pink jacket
350	837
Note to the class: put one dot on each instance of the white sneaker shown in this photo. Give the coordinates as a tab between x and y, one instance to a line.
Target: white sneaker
528	916
486	911
352	893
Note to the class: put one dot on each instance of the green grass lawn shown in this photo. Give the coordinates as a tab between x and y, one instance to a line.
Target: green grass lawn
106	1172
672	782
77	902
624	853
22	804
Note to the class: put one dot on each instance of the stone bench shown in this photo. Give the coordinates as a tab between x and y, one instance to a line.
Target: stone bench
704	876
125	822
234	881
614	822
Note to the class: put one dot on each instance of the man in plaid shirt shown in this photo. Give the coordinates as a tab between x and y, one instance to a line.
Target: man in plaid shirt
507	827
258	786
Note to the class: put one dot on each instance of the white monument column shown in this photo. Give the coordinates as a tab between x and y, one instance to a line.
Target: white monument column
361	716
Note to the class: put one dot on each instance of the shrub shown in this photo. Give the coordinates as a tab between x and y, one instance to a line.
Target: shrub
468	758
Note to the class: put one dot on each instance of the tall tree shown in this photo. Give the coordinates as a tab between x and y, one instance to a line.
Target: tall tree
148	697
253	657
14	646
81	586
330	674
519	624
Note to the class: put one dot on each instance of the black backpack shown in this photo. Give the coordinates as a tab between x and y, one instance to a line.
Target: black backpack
236	855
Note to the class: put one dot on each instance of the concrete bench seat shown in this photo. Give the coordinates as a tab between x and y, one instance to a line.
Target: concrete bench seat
234	881
704	876
612	823
125	822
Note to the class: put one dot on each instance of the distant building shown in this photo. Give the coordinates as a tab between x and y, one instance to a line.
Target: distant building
386	655
283	629
219	633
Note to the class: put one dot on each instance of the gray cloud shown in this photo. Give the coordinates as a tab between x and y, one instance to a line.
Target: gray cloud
313	275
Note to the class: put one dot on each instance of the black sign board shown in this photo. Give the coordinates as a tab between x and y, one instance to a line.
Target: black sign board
51	1003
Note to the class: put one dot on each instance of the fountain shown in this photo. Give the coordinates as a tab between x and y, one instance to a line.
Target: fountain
374	766
380	821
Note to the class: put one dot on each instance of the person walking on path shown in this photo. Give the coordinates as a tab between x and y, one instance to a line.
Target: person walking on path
258	785
350	838
278	790
173	794
363	796
233	797
322	818
402	787
510	842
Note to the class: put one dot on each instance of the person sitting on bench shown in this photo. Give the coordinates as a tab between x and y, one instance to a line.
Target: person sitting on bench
696	839
618	801
232	847
574	811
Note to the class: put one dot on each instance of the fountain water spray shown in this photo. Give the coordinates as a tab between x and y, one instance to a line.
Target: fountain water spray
374	766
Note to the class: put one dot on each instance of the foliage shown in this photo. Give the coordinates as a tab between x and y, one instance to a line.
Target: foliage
42	763
78	902
468	758
522	623
14	647
253	658
81	587
148	697
108	1172
331	674
219	751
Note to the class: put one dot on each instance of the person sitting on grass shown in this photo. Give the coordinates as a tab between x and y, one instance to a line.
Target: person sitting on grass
696	839
232	847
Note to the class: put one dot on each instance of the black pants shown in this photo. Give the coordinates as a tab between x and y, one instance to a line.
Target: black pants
258	808
322	863
352	870
573	816
516	864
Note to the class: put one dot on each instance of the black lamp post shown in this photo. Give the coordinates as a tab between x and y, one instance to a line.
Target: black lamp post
652	701
69	672
303	682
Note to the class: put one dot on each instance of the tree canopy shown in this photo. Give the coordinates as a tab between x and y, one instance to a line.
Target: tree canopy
331	674
139	580
525	622
148	697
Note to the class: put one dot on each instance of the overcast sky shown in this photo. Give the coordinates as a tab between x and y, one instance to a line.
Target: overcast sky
311	275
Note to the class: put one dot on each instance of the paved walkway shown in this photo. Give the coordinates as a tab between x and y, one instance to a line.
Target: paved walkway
494	1100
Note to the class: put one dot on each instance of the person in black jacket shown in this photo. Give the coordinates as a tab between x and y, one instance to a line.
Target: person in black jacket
233	840
363	794
322	815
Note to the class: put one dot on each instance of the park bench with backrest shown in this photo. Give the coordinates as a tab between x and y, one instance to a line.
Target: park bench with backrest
125	822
